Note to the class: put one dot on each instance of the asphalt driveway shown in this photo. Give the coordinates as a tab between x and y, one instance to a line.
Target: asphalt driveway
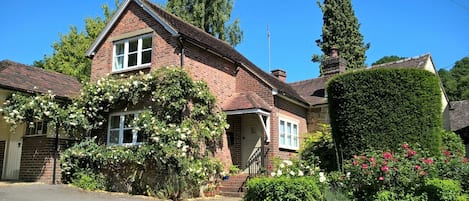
44	192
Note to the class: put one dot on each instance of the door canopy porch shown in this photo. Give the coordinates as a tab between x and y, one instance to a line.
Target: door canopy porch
250	103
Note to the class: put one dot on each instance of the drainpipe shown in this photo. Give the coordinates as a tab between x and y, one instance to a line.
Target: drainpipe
182	50
56	150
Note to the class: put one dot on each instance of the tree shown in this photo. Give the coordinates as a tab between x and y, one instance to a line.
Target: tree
68	56
210	15
456	80
387	59
341	30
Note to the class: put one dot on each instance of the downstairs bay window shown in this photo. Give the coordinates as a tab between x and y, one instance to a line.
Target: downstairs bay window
121	132
132	53
288	134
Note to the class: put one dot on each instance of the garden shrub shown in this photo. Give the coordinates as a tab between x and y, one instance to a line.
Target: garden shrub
282	188
442	190
319	149
382	108
402	172
89	180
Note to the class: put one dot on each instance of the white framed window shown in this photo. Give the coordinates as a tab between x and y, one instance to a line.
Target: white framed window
120	131
288	134
36	128
132	53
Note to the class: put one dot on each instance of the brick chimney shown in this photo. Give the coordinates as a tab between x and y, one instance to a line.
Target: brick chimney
280	74
333	64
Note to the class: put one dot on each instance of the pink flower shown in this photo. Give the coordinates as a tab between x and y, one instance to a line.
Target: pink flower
405	146
417	167
411	153
387	155
464	160
447	153
381	178
384	168
355	163
372	159
364	166
427	161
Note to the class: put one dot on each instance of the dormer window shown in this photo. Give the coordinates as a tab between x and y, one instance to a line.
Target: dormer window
132	53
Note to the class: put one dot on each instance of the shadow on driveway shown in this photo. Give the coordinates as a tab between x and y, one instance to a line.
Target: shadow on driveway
43	192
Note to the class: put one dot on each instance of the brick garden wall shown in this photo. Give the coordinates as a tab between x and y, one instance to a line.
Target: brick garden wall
37	159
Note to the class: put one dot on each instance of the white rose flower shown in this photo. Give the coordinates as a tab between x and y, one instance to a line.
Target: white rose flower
272	174
279	173
322	178
292	173
300	173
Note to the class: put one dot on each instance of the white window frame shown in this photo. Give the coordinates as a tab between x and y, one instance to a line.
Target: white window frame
43	132
289	134
126	53
121	129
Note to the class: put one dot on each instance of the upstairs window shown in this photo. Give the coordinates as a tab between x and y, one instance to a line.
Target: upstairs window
120	130
132	53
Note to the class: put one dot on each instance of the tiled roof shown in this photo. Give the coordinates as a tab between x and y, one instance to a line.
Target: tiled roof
220	47
459	115
312	90
414	62
20	77
244	101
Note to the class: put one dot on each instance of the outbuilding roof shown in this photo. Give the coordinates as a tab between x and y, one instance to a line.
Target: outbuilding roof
29	79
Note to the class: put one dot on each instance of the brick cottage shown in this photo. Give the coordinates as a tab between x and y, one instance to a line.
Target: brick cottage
268	117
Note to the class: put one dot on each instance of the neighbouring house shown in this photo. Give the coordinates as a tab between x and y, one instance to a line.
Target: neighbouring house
28	153
268	117
459	118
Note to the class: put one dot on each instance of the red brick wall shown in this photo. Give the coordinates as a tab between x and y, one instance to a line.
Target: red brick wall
37	159
235	148
2	155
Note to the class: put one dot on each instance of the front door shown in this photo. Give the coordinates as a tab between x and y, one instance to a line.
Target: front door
250	137
11	170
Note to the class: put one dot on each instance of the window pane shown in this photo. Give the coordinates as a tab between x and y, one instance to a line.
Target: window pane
140	137
114	137
128	118
282	132
295	135
128	136
146	57
119	62
119	49
44	128
115	121
132	60
133	45
146	43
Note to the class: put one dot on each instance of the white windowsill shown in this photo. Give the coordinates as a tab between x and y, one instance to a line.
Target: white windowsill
288	147
141	67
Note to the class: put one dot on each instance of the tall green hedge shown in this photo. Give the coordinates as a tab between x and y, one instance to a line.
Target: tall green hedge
382	108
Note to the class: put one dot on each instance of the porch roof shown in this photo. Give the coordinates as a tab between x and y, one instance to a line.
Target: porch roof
245	101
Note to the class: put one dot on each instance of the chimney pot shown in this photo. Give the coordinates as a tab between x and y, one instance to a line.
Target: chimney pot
334	52
280	74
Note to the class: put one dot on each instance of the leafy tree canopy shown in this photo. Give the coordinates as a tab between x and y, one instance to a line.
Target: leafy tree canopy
456	80
387	59
341	30
210	15
68	56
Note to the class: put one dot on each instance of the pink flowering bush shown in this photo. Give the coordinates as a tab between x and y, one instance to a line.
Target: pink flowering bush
401	171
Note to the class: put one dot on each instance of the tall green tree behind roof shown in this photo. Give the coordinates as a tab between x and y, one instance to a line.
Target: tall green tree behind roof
341	30
69	54
210	15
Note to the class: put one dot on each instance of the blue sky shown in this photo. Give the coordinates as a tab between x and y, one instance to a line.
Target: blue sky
393	27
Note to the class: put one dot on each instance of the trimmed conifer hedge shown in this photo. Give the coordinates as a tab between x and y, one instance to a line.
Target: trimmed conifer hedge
382	108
